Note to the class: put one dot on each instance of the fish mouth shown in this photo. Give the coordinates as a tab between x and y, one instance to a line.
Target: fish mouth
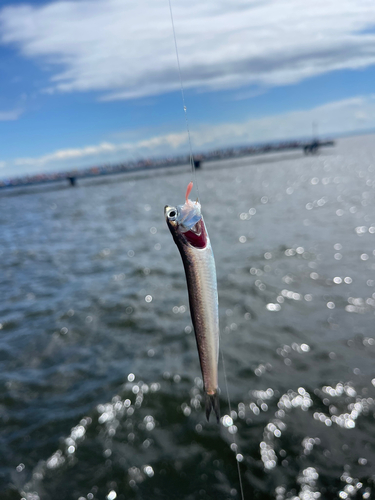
197	235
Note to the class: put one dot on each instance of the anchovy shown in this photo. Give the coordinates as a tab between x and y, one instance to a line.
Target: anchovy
189	232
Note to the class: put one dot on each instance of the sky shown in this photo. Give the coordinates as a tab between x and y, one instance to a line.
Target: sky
90	82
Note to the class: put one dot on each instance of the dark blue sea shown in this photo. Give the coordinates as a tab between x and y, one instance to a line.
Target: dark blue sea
100	384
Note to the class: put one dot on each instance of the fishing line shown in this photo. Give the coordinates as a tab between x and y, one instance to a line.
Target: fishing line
196	184
194	173
230	414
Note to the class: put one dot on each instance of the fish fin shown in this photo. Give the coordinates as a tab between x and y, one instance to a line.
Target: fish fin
213	403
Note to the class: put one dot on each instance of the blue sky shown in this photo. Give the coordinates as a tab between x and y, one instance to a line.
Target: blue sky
89	82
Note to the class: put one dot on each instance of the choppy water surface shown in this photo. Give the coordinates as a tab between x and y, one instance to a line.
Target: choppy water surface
101	395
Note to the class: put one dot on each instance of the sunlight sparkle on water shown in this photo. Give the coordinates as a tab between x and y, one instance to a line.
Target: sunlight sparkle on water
227	421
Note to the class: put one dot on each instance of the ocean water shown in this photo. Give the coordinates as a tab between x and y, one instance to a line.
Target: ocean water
100	384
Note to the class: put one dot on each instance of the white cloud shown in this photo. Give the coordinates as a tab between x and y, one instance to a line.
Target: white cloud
11	115
340	116
125	49
167	142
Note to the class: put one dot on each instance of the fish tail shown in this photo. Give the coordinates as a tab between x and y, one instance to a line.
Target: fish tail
212	403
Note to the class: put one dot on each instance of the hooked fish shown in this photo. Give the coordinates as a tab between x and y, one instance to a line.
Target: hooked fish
189	232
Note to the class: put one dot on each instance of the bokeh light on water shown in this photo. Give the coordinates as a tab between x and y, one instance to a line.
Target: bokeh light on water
101	395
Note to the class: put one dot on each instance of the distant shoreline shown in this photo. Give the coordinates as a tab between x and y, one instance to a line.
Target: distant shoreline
309	147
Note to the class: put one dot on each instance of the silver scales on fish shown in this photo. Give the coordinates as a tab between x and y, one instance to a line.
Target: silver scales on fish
189	232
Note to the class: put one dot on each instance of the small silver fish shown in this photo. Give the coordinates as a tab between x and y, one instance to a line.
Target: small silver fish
189	232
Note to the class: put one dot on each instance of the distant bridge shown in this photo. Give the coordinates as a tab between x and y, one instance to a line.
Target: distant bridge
72	176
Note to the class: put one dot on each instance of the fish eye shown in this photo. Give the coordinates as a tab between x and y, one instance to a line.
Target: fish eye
172	214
